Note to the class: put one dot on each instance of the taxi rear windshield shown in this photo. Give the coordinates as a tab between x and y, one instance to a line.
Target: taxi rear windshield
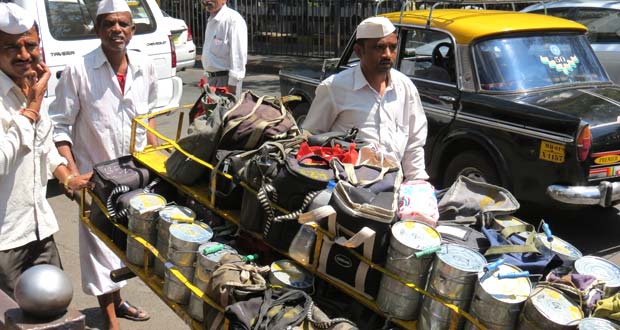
75	19
528	62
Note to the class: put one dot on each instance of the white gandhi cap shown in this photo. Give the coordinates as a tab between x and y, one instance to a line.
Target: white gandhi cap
14	19
112	6
374	27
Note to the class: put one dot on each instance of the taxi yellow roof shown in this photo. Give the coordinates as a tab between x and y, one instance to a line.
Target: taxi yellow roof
470	24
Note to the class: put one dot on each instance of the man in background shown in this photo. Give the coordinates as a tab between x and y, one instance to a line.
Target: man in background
97	98
225	50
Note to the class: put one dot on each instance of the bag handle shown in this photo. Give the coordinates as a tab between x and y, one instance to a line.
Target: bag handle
365	236
352	177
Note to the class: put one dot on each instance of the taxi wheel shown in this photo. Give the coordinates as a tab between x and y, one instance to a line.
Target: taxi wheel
300	110
472	164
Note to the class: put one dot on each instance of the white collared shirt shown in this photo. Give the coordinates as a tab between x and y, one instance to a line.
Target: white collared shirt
28	158
395	120
226	45
92	113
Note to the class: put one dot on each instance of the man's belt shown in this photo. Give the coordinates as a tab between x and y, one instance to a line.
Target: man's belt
217	74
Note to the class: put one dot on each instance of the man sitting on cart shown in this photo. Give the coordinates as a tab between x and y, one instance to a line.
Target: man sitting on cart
97	98
380	101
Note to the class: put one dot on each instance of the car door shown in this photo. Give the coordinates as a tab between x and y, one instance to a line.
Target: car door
428	58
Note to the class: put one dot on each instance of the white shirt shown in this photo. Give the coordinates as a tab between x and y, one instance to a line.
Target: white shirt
92	113
226	45
395	120
27	159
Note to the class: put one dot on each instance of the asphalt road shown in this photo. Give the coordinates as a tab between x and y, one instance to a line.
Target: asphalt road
593	230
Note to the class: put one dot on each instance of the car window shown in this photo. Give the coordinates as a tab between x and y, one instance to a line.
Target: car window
550	60
428	54
603	23
74	19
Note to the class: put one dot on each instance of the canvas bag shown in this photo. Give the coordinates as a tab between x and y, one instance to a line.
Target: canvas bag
336	259
234	280
244	125
282	309
202	140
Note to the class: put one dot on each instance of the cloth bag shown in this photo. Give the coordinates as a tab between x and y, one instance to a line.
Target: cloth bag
232	281
282	309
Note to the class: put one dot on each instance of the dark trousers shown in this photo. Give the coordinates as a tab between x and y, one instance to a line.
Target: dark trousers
15	261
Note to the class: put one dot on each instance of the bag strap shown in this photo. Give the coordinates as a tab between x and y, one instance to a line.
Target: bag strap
364	236
527	247
290	298
349	169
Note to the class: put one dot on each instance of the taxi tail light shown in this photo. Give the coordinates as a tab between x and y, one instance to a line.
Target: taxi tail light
189	34
584	142
173	53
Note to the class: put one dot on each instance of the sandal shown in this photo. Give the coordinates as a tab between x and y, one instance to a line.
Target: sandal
124	310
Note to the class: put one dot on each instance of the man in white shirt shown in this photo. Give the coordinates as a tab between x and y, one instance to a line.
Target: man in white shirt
381	102
27	153
96	99
225	50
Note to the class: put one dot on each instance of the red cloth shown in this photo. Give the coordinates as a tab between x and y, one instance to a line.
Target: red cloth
325	154
121	81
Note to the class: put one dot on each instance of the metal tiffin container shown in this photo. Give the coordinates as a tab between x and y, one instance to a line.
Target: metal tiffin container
287	274
142	216
550	309
595	323
453	278
501	291
208	259
602	269
184	240
407	260
174	287
167	216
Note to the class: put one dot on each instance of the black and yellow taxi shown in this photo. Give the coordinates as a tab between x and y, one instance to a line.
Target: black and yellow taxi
515	99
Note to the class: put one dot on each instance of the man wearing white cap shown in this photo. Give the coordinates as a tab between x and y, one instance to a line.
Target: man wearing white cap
97	98
225	50
381	102
27	153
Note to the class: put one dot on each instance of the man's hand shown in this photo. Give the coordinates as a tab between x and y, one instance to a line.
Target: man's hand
38	79
74	183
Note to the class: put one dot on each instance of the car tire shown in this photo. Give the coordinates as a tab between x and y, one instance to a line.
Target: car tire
472	164
300	110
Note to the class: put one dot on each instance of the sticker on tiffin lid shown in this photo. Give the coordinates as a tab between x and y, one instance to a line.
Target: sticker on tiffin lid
508	290
595	323
554	305
190	232
564	249
600	268
416	235
461	257
176	213
146	203
287	273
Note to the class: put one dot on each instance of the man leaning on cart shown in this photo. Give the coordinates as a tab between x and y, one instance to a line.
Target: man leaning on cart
97	98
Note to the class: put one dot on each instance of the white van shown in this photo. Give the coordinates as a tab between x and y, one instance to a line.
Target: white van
67	30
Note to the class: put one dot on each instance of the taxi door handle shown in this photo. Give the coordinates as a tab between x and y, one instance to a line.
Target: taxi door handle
447	98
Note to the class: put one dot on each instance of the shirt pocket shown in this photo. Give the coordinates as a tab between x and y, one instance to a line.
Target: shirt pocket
219	47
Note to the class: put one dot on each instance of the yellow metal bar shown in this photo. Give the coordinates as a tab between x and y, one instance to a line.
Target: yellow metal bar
155	161
152	281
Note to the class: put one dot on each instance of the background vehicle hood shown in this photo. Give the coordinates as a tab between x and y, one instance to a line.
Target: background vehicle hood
596	105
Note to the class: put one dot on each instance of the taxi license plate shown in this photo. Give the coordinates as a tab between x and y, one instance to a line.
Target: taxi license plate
552	152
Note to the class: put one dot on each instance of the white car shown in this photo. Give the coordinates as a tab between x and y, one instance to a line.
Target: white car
66	28
183	41
601	17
